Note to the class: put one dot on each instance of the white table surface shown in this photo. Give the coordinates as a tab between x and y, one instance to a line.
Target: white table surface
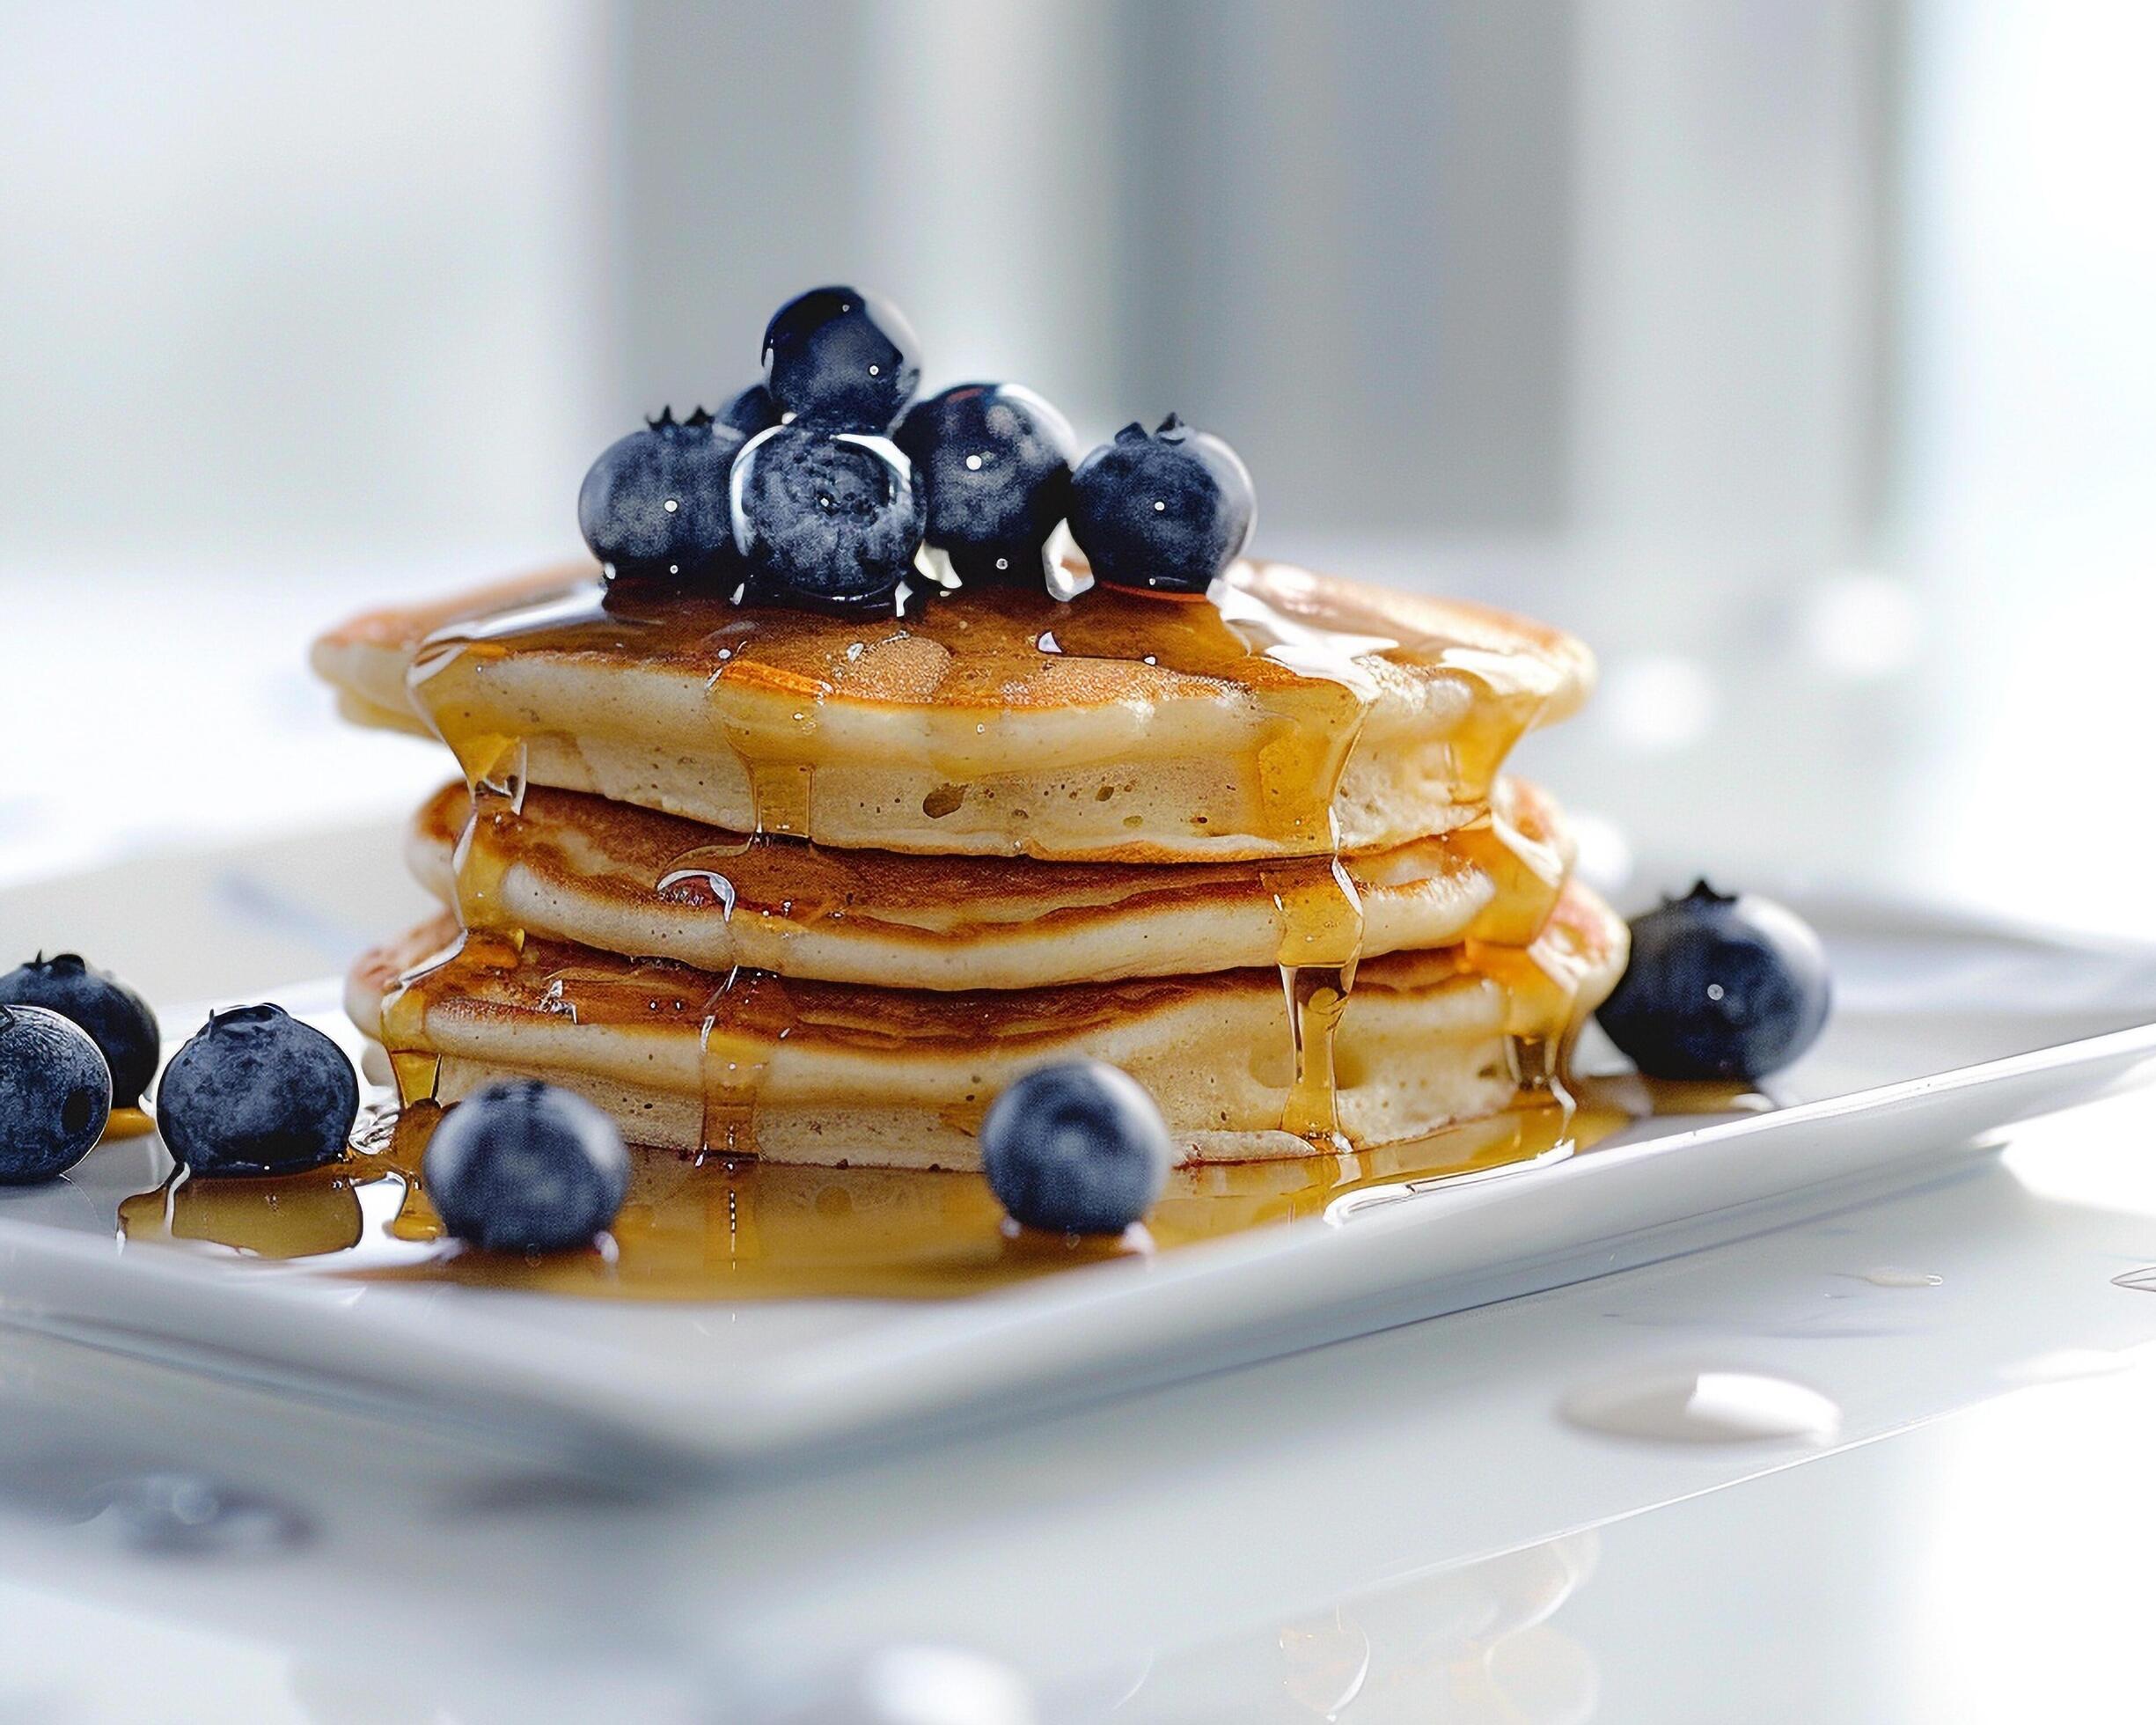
1401	1527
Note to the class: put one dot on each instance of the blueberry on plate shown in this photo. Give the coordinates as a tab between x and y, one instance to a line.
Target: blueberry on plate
1163	513
994	464
833	518
255	1091
118	1020
55	1094
1719	988
522	1166
653	505
749	411
842	359
1077	1147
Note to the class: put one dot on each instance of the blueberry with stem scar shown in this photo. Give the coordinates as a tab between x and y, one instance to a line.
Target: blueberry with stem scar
118	1020
831	518
1719	988
256	1091
654	505
1163	513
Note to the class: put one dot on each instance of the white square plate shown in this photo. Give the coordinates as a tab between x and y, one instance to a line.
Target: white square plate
1945	1030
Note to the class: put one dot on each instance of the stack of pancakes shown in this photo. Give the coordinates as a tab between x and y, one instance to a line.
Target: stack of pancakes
816	888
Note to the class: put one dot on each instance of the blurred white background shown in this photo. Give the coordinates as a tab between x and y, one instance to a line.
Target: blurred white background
1798	353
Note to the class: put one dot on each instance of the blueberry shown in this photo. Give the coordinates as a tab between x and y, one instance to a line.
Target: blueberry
993	462
55	1094
749	411
1719	988
522	1166
118	1020
842	359
1164	513
833	518
255	1091
653	505
1077	1149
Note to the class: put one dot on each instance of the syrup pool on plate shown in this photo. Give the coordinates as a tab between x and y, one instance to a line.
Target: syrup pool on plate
726	1228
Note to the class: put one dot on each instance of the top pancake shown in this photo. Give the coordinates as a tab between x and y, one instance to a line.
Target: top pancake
1293	715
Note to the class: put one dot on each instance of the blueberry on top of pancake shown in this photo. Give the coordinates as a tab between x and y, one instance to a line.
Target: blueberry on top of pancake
994	461
750	410
655	504
841	359
1164	513
832	519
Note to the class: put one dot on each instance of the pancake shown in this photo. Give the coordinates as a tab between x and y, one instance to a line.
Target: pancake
820	1072
1295	715
627	880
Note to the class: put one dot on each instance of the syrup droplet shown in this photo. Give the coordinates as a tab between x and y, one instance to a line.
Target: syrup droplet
717	884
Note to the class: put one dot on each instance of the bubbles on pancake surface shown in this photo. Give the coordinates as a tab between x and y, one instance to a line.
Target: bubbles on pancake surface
654	505
1076	1148
993	463
55	1094
118	1019
1719	988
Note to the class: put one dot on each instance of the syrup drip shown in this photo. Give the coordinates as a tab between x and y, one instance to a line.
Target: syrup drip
415	1060
743	1022
398	1153
1321	943
732	1062
496	764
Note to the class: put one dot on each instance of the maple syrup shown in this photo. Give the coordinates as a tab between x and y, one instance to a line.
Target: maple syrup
721	1227
1321	943
1301	663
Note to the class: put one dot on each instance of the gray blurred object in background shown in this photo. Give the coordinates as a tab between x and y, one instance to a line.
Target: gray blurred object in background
1796	352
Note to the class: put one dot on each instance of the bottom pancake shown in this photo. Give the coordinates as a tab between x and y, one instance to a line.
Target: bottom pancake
814	1072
